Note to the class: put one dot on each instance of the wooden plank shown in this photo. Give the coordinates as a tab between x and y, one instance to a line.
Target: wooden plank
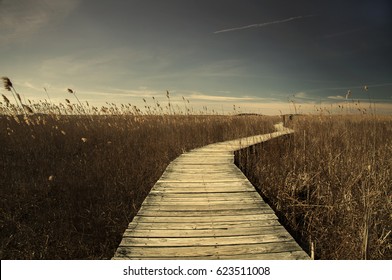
212	182
205	219
295	255
202	183
202	197
190	176
205	171
203	207
204	213
201	178
159	233
205	188
200	201
191	204
209	196
211	156
167	200
210	251
203	225
199	188
183	206
231	175
280	235
190	191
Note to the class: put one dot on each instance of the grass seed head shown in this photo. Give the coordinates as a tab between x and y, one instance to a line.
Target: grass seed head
28	109
6	100
7	83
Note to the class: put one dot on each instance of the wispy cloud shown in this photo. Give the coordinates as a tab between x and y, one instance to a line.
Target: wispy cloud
336	97
21	19
352	87
196	95
301	95
258	25
201	96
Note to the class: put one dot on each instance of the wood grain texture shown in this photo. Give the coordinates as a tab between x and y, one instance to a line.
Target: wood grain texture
203	207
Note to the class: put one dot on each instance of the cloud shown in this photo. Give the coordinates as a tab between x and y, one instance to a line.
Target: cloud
201	96
21	19
139	93
361	87
300	95
258	25
336	97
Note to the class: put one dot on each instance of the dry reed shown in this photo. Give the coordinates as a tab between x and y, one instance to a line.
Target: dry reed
71	182
331	183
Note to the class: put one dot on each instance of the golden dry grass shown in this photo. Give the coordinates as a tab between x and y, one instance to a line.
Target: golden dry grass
71	182
74	175
331	183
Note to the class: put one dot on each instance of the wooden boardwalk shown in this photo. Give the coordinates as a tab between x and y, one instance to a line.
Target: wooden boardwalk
203	207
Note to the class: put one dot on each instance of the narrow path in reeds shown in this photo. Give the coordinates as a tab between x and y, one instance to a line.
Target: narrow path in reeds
203	207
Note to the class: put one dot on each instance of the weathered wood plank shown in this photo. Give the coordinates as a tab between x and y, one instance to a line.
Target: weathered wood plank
281	235
208	196
295	255
201	219
226	176
205	204
204	207
204	225
231	251
204	189
221	190
166	200
203	213
159	233
201	183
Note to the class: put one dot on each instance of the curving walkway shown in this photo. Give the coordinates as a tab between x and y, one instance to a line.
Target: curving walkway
203	207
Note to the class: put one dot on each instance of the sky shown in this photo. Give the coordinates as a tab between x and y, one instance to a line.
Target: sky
261	56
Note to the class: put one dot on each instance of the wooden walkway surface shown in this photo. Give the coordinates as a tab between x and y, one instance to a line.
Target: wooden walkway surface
203	207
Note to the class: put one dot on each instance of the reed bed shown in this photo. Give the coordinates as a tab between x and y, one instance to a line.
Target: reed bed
330	183
73	175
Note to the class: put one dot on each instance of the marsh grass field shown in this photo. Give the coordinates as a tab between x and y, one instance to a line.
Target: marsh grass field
330	183
70	184
73	176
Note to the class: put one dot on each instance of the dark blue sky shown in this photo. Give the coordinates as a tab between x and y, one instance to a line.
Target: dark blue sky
254	54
